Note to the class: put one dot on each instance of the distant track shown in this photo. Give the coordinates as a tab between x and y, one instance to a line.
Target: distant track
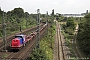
60	44
78	54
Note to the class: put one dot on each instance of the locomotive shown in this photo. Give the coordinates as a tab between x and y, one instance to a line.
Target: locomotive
20	40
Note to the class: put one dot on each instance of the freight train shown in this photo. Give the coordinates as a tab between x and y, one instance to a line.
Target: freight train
21	40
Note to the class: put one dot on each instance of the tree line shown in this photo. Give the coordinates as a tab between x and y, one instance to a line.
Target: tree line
15	19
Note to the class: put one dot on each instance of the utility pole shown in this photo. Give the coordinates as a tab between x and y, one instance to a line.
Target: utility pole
51	36
38	30
47	24
20	24
20	28
4	32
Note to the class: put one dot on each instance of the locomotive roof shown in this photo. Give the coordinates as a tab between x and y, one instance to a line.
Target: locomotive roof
21	35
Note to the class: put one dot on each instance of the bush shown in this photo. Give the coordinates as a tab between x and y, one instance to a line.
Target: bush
38	54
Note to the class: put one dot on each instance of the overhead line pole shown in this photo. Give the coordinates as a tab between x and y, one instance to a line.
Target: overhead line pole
47	23
38	30
4	32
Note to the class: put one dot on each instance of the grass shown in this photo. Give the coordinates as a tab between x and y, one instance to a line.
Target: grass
46	45
68	38
72	48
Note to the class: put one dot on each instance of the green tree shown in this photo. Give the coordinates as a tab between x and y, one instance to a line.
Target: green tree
84	35
19	12
70	22
38	54
70	25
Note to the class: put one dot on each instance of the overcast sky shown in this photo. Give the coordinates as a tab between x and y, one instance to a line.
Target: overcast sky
60	6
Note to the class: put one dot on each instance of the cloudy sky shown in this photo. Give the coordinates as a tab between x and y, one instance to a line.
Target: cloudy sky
60	6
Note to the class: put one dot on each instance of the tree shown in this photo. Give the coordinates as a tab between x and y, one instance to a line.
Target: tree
70	23
84	35
1	14
19	12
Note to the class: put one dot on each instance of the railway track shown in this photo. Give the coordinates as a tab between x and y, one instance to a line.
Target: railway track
9	38
60	48
22	54
12	36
